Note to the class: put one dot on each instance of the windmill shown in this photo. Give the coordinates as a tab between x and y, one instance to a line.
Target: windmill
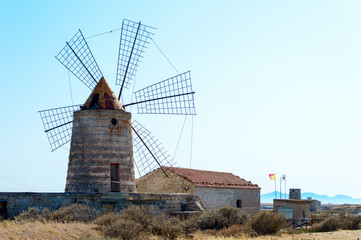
101	132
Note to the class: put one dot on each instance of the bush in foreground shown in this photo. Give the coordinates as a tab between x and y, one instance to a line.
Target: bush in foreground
222	218
266	222
73	213
135	222
31	215
337	222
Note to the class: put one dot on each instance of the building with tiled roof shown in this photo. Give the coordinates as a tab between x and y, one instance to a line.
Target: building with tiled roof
214	189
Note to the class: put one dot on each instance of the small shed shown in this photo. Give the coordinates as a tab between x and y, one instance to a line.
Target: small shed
294	209
214	189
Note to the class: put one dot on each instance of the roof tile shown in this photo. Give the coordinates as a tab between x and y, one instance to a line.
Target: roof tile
212	179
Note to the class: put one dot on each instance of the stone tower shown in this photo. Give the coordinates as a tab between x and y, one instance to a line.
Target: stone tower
101	151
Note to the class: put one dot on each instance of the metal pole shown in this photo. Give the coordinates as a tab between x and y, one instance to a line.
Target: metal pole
285	188
281	187
154	99
275	187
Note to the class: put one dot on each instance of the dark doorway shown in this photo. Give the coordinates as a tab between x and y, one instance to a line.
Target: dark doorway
114	177
3	209
239	203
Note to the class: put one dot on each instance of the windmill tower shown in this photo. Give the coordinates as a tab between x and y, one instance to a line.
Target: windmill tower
101	151
101	132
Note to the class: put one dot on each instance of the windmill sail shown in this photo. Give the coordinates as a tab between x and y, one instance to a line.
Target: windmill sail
148	153
58	124
78	59
171	96
133	40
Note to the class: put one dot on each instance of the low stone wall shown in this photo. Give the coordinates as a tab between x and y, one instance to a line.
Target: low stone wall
15	203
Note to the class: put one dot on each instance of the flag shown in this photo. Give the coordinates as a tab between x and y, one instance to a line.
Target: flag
272	176
284	177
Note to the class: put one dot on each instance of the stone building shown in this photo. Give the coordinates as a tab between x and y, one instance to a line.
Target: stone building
294	208
214	189
101	150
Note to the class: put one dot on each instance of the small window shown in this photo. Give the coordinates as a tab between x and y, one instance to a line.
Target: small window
94	101
239	203
114	121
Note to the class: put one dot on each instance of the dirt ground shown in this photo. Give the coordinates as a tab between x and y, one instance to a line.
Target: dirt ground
339	235
51	231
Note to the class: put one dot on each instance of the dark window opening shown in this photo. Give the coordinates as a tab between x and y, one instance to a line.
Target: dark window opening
3	209
94	101
239	203
114	177
114	121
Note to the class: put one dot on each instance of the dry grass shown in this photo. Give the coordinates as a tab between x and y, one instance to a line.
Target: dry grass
45	231
344	235
68	231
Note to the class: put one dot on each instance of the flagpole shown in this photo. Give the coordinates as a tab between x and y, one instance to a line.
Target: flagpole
285	188
281	187
275	187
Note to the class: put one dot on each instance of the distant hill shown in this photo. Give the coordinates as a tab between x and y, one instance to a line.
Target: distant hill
338	199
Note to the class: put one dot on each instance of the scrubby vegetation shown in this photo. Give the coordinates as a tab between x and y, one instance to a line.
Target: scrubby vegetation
72	213
266	222
140	222
342	221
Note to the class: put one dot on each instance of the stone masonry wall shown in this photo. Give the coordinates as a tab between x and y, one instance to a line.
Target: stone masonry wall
19	202
158	182
213	198
210	197
100	137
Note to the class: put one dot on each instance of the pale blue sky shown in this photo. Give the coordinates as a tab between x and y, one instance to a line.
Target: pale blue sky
277	86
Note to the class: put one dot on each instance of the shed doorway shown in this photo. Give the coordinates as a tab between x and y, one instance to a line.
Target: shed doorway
3	209
114	177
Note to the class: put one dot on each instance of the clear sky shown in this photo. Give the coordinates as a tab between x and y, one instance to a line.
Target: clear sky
278	86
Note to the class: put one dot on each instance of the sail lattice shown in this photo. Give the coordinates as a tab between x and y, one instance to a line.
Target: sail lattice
133	40
145	146
78	59
171	96
58	124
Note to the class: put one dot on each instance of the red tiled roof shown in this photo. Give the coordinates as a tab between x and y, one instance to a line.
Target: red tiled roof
212	179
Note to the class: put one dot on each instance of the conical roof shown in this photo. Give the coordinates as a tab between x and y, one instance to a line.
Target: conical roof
102	97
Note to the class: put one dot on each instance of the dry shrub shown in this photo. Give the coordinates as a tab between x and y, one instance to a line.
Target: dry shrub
168	227
232	231
327	225
31	215
73	213
144	215
190	225
144	220
105	221
222	218
125	229
350	222
266	222
342	221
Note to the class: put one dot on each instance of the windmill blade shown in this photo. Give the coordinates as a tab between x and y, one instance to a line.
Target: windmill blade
58	124
78	59
133	40
171	96
149	154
